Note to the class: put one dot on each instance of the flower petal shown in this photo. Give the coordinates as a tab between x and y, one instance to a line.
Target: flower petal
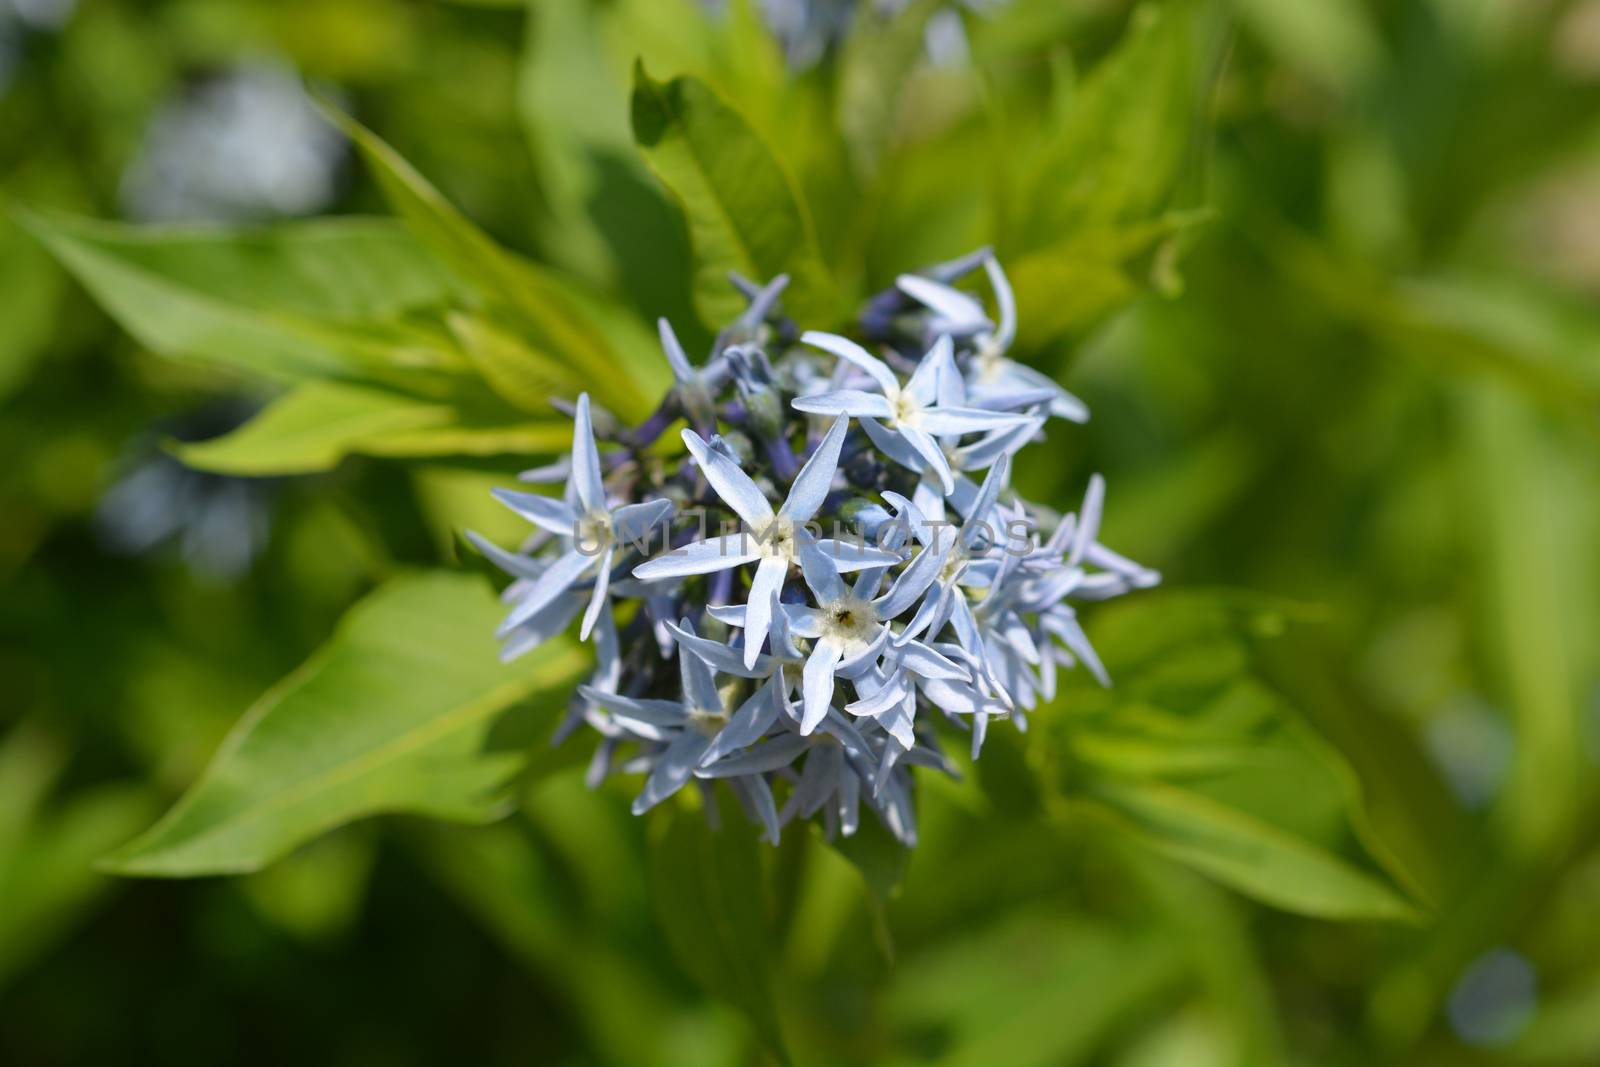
844	402
847	349
677	359
810	486
674	767
732	484
632	522
926	663
769	755
717	654
850	556
545	512
893	445
747	725
540	627
756	795
821	573
817	684
961	311
698	683
586	459
931	454
988	493
931	372
912	582
1088	527
698	557
513	563
888	694
597	599
764	589
555	580
943	421
1005	299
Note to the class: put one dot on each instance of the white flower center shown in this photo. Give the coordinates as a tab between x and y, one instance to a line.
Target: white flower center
777	540
850	620
952	565
593	531
903	408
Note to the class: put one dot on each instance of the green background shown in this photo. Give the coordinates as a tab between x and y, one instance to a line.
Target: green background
1327	274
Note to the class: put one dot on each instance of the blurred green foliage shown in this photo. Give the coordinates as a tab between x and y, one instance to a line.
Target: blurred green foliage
1327	274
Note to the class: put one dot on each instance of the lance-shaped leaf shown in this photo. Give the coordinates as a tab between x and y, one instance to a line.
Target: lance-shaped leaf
403	710
318	423
561	320
1197	758
744	214
297	300
1248	853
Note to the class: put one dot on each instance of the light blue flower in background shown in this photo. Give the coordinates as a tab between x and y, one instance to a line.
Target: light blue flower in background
994	380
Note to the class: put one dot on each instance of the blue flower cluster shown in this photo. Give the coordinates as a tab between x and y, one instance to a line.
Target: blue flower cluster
837	565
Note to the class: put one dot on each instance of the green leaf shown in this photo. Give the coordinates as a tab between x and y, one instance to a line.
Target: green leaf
574	109
743	212
711	902
305	299
1118	154
311	428
557	319
315	425
1248	853
1196	757
513	370
1069	285
1093	190
403	710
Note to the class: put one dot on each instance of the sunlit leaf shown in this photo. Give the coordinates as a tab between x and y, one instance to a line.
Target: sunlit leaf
744	214
1117	154
516	372
297	300
1072	283
397	712
543	302
318	423
311	428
